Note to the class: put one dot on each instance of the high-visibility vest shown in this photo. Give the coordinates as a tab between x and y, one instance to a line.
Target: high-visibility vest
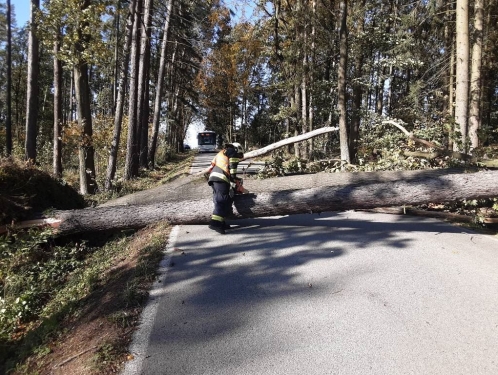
224	168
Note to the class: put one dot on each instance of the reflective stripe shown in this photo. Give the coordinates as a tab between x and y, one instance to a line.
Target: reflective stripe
217	218
220	176
225	168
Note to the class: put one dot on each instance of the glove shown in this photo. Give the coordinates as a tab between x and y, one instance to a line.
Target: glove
231	192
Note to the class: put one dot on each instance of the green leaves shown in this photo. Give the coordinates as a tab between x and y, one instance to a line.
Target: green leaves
78	28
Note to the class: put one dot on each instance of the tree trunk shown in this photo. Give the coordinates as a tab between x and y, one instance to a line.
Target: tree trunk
450	74
88	183
293	195
57	146
33	87
8	120
159	88
118	115
462	72
131	163
354	127
143	108
341	84
475	78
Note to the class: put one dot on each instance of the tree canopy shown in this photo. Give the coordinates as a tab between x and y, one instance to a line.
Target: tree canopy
291	68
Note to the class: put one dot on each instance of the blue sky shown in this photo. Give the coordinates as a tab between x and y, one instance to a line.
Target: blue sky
22	11
245	7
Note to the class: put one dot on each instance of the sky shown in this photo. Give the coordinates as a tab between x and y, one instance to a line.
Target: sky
22	11
242	8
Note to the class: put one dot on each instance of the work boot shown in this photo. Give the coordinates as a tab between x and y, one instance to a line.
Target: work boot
226	226
217	226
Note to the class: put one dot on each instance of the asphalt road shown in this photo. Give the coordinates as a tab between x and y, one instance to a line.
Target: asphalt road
339	293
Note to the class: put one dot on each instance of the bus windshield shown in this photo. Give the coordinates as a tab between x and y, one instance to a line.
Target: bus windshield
206	141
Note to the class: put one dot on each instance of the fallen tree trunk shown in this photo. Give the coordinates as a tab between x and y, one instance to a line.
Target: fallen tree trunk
300	194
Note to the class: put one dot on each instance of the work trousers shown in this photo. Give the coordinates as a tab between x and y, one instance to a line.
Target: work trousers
221	199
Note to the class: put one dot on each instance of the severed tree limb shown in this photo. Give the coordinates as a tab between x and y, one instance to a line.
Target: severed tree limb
412	137
440	151
282	143
288	141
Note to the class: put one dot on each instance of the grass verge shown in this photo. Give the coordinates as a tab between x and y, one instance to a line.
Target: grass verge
70	305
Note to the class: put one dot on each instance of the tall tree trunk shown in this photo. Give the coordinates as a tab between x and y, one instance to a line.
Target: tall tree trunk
354	129
143	109
159	87
88	183
8	120
117	46
379	92
341	83
72	99
57	146
489	61
131	163
118	115
450	76
33	87
304	77
311	79
462	71
475	78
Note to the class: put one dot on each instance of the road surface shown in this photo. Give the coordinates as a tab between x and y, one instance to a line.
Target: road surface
340	293
350	293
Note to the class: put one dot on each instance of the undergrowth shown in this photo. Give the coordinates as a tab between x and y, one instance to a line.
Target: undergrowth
45	279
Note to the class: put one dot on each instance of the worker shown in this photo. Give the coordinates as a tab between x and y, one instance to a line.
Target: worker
222	179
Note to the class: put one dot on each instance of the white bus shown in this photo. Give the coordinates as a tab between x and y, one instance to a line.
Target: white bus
206	141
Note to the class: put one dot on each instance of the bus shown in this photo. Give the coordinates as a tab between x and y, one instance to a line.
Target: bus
206	141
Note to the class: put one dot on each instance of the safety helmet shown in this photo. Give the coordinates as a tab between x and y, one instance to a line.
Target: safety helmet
238	147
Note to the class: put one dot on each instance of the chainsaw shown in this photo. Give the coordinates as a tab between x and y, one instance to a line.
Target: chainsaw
239	186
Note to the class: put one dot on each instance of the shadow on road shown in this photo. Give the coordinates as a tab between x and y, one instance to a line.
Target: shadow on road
216	281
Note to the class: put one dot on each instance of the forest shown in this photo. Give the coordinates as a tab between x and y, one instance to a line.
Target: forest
97	96
95	91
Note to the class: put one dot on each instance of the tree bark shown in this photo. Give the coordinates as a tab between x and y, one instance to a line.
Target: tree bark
475	79
341	83
8	99
131	163
159	88
143	108
118	115
462	72
88	183
288	141
33	87
354	126
293	195
57	146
